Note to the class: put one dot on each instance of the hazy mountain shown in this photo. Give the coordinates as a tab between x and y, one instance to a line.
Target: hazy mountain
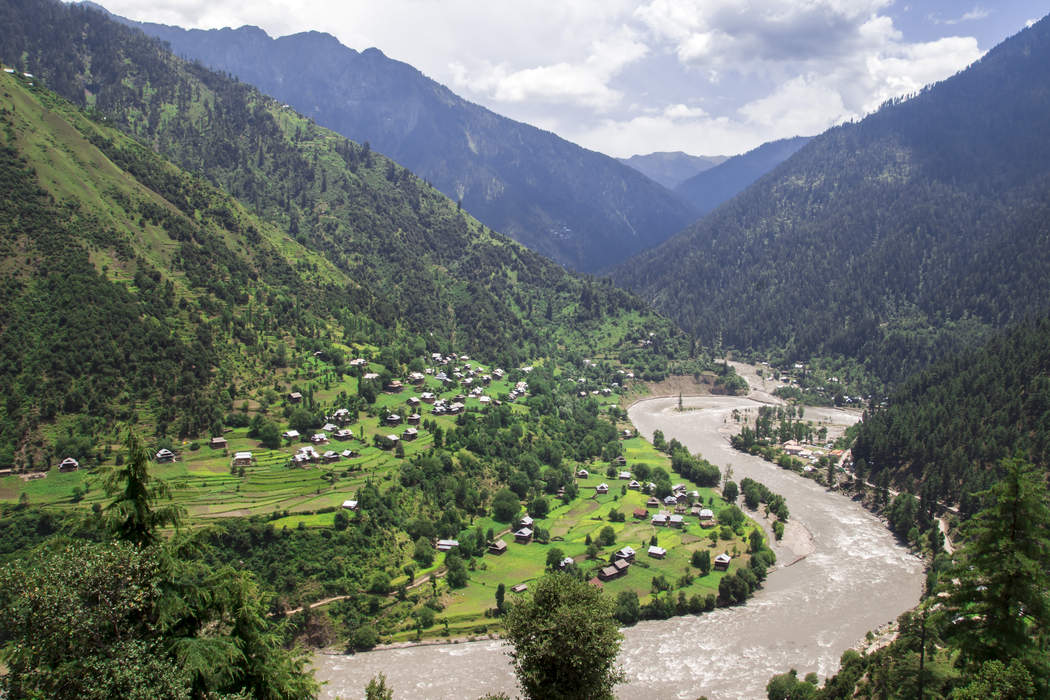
892	239
579	207
671	168
712	186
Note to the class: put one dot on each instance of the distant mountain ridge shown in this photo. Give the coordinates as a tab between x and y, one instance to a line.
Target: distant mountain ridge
581	208
672	168
895	240
709	188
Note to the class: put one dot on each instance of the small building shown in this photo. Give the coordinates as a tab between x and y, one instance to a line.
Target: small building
68	465
602	488
394	386
621	565
566	563
350	505
582	474
640	513
657	552
497	547
343	434
242	459
427	397
414	419
608	573
706	516
218	443
722	562
349	454
624	475
290	435
619	461
330	457
164	455
626	434
370	376
670	501
393	419
634	485
447	545
660	519
653	502
410	434
520	588
676	521
319	438
523	536
627	553
295	397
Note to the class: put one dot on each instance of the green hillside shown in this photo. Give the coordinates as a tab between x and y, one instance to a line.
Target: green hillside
945	430
895	239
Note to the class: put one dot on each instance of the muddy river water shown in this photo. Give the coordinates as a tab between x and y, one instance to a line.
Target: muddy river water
851	578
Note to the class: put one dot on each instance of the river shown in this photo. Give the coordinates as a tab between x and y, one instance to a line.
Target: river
853	578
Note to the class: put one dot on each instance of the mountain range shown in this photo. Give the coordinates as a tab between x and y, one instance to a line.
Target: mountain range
579	207
708	188
895	240
672	168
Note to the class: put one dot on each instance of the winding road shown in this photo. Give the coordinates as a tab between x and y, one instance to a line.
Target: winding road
847	576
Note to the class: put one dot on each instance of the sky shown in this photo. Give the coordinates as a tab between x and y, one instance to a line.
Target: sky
708	77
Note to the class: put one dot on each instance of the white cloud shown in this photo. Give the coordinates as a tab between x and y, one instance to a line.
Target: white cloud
976	13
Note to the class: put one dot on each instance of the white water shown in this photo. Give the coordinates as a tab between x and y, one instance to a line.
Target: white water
854	578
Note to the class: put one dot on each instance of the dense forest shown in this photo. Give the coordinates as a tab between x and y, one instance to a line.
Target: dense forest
944	431
580	208
894	240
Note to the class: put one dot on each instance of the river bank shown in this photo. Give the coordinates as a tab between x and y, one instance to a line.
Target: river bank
840	574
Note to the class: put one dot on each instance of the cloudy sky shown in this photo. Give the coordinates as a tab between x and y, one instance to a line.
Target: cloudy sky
708	77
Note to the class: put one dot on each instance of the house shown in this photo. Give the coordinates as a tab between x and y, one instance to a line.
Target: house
520	588
68	465
676	521
295	397
626	553
319	438
657	552
485	399
343	434
621	565
217	443
341	416
393	419
619	461
608	572
670	501
707	516
659	519
566	563
165	455
455	408
410	434
601	489
526	521
447	545
626	434
416	377
392	440
498	547
348	454
242	459
290	435
350	505
413	401
582	474
427	397
358	362
640	513
523	536
722	562
414	419
330	456
329	427
634	485
624	475
394	386
653	502
369	376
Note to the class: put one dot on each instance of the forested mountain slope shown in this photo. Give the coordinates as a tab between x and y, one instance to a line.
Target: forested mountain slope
671	169
581	208
945	431
712	186
893	239
195	291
